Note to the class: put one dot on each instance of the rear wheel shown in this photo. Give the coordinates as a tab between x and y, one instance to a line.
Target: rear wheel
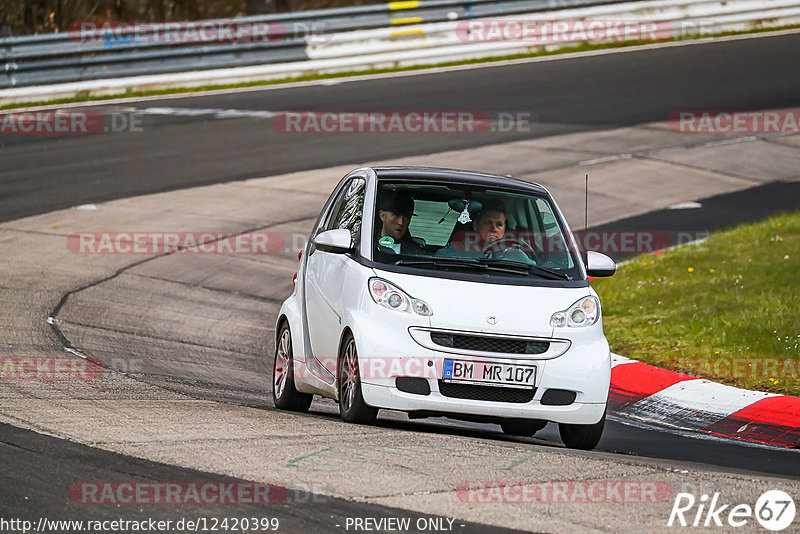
522	428
584	437
284	394
352	407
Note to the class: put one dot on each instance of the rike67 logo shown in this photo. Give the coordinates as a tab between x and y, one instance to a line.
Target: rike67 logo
774	510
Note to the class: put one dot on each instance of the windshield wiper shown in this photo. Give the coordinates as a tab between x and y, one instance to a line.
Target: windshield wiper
445	262
460	263
503	266
530	268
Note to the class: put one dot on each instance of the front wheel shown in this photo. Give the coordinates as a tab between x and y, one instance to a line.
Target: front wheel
583	437
352	407
284	394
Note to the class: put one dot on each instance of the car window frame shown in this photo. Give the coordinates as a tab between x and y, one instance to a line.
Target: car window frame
336	208
330	207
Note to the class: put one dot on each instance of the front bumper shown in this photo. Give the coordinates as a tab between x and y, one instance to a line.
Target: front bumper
387	353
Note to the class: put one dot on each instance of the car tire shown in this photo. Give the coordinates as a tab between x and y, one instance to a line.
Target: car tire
583	437
522	428
352	407
284	393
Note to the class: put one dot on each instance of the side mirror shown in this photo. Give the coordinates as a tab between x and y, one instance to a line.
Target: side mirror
599	264
338	241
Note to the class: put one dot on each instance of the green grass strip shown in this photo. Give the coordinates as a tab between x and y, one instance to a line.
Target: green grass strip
726	309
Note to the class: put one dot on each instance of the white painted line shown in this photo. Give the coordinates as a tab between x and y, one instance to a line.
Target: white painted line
215	113
605	159
734	140
689	205
76	353
676	148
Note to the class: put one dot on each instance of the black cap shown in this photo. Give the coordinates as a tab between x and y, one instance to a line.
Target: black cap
398	202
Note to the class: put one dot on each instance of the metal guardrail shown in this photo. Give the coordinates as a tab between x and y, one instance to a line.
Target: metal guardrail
71	56
334	40
435	41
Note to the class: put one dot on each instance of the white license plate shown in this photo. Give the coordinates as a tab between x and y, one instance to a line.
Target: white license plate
488	373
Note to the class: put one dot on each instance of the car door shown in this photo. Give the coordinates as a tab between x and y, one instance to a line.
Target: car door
325	274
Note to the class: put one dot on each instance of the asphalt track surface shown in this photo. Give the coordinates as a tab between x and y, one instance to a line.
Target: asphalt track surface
42	174
38	472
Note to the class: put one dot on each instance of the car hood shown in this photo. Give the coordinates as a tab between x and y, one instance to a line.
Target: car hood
473	306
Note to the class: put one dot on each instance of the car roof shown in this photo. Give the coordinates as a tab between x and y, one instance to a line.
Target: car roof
442	174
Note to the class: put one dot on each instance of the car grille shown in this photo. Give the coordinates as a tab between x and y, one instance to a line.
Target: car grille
489	344
486	393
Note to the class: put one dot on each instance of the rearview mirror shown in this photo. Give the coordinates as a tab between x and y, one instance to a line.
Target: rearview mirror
599	264
338	241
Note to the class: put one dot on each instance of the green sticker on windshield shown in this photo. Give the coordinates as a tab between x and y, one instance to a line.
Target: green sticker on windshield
386	241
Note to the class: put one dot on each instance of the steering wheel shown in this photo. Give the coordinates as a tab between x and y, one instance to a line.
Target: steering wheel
508	243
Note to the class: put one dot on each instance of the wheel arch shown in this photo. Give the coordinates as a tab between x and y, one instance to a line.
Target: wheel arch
345	331
282	319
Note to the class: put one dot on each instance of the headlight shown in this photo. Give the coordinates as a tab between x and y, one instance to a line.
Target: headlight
390	296
585	312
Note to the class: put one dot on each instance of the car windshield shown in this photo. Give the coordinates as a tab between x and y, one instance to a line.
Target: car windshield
471	227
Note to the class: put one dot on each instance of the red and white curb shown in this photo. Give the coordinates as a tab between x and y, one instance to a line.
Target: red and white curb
647	393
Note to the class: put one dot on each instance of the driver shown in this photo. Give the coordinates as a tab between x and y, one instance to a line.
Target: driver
395	212
490	223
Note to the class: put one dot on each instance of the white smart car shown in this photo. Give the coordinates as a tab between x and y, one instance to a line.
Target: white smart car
446	293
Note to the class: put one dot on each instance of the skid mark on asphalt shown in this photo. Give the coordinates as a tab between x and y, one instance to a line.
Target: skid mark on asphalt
295	461
411	470
518	462
334	457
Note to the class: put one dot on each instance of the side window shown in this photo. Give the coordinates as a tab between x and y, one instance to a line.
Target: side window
555	245
349	208
549	226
